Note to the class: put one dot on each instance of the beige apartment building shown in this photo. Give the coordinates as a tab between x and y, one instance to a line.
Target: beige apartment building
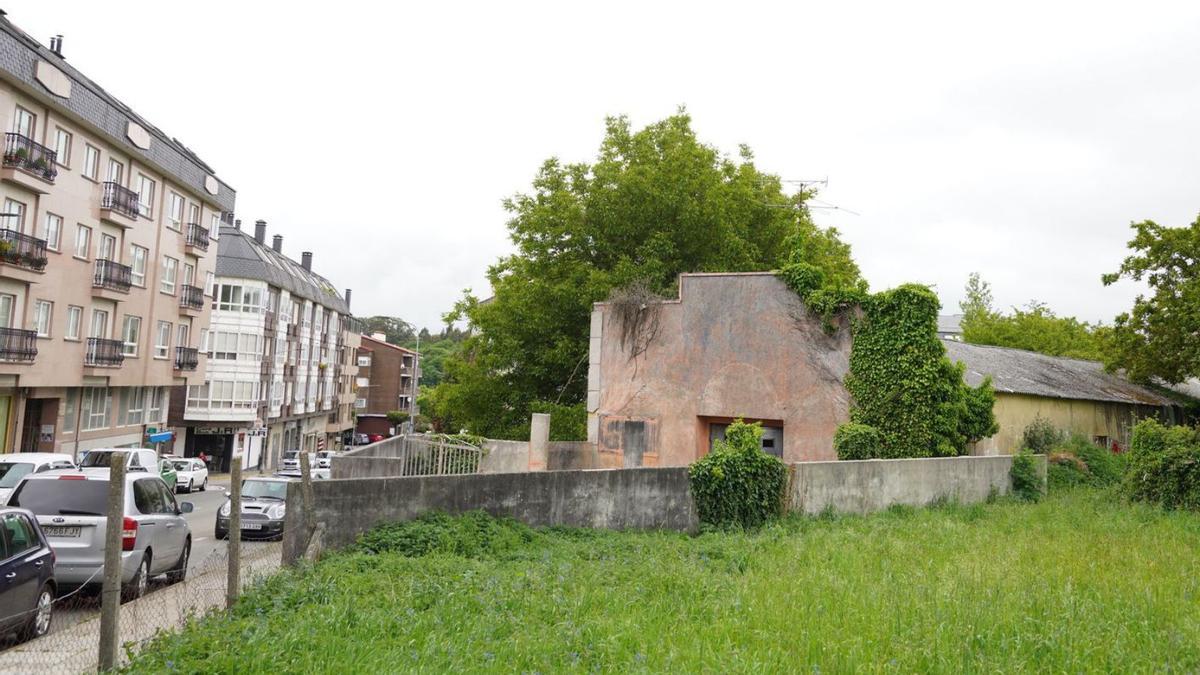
107	245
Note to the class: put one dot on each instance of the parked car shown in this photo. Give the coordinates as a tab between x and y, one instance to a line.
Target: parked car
361	439
27	586
16	466
325	459
70	506
374	438
192	474
296	474
291	460
264	505
136	459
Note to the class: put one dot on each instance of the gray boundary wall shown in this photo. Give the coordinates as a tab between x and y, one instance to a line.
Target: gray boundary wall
642	498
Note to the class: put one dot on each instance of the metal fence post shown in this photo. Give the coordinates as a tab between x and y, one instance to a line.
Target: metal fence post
110	595
235	532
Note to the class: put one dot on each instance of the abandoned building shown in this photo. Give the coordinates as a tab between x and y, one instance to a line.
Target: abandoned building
665	378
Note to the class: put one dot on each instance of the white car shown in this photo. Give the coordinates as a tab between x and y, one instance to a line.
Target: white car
325	459
191	474
16	466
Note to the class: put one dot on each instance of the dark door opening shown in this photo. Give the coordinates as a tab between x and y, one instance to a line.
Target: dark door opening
772	437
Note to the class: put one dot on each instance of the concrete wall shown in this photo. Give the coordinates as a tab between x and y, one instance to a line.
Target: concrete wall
733	345
626	499
645	498
874	485
505	457
573	455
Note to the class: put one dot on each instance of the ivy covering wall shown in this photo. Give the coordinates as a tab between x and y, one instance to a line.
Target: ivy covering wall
903	385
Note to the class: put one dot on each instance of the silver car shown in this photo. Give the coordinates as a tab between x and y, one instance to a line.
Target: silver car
70	506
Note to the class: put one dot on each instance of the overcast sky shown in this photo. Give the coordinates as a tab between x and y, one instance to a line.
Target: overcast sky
1018	142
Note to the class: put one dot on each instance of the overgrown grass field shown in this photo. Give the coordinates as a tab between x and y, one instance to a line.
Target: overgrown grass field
1078	582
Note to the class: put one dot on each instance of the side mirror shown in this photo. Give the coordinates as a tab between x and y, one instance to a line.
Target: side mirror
186	507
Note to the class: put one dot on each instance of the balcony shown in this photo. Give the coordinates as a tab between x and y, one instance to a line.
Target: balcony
112	280
103	353
22	257
118	204
187	358
17	345
28	164
197	239
191	300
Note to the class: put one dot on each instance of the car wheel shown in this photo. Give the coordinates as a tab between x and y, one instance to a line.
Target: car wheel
189	487
179	572
136	588
204	485
39	623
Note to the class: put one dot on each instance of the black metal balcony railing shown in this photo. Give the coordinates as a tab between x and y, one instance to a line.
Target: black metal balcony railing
191	297
23	153
17	344
187	358
120	199
21	249
104	352
197	236
113	276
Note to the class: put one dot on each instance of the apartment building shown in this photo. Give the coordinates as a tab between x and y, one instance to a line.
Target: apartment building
277	357
105	229
386	380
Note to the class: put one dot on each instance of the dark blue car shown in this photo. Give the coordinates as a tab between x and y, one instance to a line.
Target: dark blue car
26	575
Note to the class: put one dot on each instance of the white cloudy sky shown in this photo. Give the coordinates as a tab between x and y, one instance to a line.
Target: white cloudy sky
1017	141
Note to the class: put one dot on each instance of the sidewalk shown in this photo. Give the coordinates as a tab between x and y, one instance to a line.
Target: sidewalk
75	649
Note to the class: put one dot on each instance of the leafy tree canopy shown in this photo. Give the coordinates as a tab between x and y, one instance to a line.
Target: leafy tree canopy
655	202
1035	328
1160	336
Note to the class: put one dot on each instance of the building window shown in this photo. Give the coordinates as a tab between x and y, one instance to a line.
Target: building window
170	269
99	323
175	212
130	331
24	122
210	283
224	394
96	410
145	196
133	404
108	247
52	231
362	382
62	146
193	214
42	310
162	340
116	171
182	336
224	346
214	226
204	340
137	262
91	161
155	404
74	321
364	360
14	215
239	299
83	241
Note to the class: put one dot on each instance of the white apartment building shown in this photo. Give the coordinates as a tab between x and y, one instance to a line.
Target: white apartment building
277	358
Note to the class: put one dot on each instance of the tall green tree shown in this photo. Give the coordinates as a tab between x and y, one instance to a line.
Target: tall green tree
1160	336
396	330
655	202
1035	328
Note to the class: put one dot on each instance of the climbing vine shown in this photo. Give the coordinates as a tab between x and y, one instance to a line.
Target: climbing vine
903	385
636	308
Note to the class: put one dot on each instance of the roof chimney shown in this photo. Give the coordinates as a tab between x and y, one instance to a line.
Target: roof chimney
260	231
237	224
306	260
347	297
277	243
56	45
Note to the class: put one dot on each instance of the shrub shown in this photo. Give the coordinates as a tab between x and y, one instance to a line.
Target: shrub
1102	466
1164	465
1041	436
1066	470
1026	482
472	535
737	484
397	417
857	441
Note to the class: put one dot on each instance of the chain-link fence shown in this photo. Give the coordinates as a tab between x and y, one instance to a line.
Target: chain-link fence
75	639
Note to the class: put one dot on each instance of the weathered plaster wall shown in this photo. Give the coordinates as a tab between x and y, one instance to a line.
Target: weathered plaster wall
1092	418
733	345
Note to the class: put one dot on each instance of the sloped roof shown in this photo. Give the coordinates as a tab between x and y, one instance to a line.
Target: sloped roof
1020	372
240	256
950	324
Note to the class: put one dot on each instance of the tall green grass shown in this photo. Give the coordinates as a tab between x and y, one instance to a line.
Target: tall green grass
1077	582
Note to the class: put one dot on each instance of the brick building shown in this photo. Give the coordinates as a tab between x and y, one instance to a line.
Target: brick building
387	380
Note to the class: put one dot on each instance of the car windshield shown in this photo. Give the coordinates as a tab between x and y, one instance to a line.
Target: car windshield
264	489
182	465
324	455
62	497
11	473
291	454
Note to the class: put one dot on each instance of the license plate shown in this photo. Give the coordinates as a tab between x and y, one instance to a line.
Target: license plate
52	531
248	526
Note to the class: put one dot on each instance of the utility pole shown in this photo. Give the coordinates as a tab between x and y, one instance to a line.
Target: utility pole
412	401
110	594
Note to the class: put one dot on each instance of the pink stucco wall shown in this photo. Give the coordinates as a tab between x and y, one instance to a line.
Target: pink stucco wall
733	345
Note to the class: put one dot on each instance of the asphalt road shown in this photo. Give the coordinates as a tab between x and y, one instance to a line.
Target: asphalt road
207	552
